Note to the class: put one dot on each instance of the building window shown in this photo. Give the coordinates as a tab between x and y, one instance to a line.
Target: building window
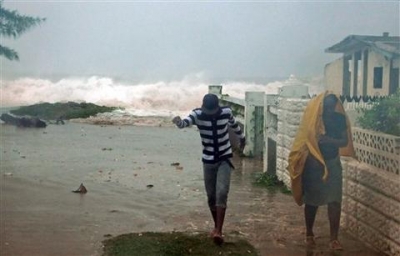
378	77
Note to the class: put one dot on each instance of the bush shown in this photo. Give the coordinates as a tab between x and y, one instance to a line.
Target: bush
270	182
384	116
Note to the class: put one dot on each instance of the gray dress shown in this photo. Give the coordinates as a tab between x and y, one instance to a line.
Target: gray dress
316	192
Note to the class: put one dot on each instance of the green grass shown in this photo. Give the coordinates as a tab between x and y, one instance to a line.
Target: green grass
174	244
270	182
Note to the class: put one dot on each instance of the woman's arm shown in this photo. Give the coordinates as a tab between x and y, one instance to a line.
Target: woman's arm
342	142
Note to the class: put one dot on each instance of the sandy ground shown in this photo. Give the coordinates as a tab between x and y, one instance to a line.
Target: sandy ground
41	216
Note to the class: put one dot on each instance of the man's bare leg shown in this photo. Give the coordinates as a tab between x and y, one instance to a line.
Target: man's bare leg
219	224
214	216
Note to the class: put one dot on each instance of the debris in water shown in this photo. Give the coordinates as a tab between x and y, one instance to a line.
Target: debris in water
175	164
81	189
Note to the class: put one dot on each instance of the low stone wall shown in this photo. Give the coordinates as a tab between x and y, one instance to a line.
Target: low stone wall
371	191
371	206
377	149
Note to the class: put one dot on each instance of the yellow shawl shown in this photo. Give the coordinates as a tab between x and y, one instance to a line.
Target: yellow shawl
306	142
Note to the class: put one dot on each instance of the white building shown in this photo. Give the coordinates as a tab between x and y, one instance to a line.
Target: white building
369	66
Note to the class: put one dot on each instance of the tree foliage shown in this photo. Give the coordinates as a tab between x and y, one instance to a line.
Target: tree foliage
12	25
384	116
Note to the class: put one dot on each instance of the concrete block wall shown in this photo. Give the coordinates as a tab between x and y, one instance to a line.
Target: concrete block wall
290	112
371	191
371	206
377	149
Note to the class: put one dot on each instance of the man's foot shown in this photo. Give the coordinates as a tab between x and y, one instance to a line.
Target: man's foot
335	245
213	232
218	240
310	241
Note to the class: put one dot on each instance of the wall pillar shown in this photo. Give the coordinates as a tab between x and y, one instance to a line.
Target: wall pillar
215	89
270	132
254	123
346	81
294	91
354	73
291	103
365	73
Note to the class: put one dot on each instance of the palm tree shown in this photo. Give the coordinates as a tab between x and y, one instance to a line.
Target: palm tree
12	24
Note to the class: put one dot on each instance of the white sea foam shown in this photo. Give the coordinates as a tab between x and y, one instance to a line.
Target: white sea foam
151	99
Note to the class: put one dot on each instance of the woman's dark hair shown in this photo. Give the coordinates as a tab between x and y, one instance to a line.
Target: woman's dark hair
330	102
331	97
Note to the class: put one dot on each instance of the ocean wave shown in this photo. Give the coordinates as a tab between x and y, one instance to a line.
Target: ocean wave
140	99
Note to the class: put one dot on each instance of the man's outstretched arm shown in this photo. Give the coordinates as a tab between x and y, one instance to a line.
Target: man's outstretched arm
182	123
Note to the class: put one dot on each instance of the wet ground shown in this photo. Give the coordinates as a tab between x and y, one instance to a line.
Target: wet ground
134	184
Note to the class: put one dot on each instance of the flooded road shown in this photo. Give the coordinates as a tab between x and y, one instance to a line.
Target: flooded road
138	179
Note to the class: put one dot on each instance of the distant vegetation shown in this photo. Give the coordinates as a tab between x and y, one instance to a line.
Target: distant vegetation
384	116
69	110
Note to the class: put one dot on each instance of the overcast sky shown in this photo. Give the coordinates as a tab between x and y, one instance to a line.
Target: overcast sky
170	40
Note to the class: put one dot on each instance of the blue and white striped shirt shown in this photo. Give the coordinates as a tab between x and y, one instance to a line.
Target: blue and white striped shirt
213	132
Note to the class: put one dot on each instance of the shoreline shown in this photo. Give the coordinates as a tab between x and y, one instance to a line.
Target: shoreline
154	121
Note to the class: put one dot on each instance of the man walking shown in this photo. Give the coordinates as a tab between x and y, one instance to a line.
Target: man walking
212	121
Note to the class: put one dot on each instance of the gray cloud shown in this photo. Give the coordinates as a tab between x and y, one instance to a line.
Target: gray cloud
169	40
